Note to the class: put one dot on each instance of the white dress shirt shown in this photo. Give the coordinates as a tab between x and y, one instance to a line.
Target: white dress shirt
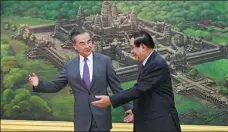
144	62
89	63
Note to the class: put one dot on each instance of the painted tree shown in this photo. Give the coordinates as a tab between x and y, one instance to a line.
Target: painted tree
193	72
5	49
8	62
15	78
26	106
7	95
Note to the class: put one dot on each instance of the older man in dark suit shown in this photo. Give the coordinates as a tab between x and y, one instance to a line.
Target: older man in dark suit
88	75
154	109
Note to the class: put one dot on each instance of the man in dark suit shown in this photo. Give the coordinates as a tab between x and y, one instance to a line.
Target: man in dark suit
88	75
153	100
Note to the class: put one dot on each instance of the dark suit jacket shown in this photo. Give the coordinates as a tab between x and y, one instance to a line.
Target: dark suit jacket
103	75
154	109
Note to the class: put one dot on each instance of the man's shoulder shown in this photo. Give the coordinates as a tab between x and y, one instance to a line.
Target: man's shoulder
72	60
159	60
101	55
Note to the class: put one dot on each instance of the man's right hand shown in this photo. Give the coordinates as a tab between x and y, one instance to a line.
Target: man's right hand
33	79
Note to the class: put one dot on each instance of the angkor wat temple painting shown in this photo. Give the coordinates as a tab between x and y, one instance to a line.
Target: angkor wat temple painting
192	36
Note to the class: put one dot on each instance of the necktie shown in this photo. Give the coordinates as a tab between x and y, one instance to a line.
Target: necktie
141	70
142	67
86	77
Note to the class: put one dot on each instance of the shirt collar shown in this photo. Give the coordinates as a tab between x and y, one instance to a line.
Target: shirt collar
144	62
90	57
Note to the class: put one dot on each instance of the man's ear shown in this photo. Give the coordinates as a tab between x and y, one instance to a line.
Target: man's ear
144	46
74	45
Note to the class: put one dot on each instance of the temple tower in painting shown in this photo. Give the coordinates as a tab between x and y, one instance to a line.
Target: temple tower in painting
114	11
80	16
105	14
97	21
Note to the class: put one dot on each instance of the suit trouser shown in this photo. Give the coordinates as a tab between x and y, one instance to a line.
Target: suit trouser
94	127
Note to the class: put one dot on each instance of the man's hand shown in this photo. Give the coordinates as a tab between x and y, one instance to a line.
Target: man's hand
33	79
129	117
103	102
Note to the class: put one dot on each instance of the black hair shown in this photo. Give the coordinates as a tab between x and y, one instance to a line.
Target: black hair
75	32
143	37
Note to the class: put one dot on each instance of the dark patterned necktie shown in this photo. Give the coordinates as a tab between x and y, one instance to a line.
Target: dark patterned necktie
86	77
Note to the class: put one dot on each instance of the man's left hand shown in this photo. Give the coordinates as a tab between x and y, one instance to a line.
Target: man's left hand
103	102
129	117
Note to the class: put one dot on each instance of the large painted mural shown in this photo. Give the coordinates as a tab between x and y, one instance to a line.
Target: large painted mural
191	35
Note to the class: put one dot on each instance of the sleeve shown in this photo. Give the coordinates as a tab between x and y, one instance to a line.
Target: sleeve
150	80
53	86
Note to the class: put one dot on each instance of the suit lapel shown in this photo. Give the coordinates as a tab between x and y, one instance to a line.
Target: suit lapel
153	55
139	71
77	70
96	65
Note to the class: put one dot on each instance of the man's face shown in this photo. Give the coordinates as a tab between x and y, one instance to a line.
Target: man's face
83	44
137	52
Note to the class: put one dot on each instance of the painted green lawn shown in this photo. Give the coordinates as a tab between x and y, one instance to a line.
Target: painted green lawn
25	20
18	45
218	40
215	70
